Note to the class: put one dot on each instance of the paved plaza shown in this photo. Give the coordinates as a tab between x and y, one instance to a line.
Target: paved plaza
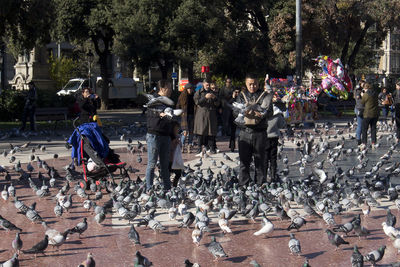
111	246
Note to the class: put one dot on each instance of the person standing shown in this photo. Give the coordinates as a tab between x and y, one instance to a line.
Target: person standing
30	107
205	122
275	123
228	93
87	103
386	100
253	133
396	103
158	138
371	113
359	110
186	103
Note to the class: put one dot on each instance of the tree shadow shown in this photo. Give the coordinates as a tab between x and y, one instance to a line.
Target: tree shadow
314	254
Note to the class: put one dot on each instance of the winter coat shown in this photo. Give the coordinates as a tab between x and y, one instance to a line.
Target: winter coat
155	124
370	102
275	123
186	103
205	120
359	106
396	97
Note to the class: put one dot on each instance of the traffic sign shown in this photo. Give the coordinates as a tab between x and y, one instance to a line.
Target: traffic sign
174	75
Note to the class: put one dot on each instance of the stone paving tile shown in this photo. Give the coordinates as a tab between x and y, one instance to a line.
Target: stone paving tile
111	246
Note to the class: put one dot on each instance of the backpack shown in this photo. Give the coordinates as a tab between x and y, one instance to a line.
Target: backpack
250	119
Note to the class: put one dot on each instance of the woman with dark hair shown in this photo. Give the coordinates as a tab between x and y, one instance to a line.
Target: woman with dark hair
205	122
186	103
386	100
371	113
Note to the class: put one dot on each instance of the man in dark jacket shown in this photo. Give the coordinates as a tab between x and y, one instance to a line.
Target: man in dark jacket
371	113
158	138
88	104
253	134
30	107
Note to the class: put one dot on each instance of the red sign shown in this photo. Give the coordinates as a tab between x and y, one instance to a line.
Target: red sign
182	84
205	69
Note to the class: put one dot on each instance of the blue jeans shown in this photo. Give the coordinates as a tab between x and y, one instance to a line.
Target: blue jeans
359	127
158	146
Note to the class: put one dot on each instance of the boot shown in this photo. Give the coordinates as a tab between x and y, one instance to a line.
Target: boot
232	145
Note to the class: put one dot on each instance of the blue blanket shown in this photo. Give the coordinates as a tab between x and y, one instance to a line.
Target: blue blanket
92	131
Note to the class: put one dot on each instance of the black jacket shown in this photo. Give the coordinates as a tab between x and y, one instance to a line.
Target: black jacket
88	108
155	124
266	100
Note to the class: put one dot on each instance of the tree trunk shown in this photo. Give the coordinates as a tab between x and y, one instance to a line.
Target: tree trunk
190	71
164	71
358	44
104	76
345	49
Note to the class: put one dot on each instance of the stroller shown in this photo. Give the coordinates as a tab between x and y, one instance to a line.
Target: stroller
90	146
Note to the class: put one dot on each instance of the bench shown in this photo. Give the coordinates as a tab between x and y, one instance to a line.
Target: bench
52	114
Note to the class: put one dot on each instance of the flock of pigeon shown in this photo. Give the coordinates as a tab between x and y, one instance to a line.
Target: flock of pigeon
315	186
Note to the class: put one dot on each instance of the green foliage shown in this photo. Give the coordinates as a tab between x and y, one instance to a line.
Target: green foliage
61	70
26	23
11	105
78	21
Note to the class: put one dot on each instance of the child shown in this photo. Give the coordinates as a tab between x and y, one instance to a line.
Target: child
275	123
175	142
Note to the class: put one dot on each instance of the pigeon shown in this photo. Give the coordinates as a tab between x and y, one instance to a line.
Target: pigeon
80	228
375	255
335	239
197	234
344	228
189	264
13	262
294	245
390	219
17	243
223	223
89	262
357	260
297	223
141	260
216	249
40	247
267	228
153	101
255	263
7	225
188	219
134	235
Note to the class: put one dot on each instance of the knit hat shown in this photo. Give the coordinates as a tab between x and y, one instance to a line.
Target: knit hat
188	86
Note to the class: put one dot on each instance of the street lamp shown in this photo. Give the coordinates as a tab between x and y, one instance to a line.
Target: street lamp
90	58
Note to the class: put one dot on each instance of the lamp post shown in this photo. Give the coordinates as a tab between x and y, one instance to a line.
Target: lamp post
90	58
299	41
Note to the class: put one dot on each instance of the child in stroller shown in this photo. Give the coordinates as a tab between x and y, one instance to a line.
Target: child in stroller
91	147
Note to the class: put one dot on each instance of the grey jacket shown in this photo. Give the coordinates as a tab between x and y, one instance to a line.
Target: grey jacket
275	123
